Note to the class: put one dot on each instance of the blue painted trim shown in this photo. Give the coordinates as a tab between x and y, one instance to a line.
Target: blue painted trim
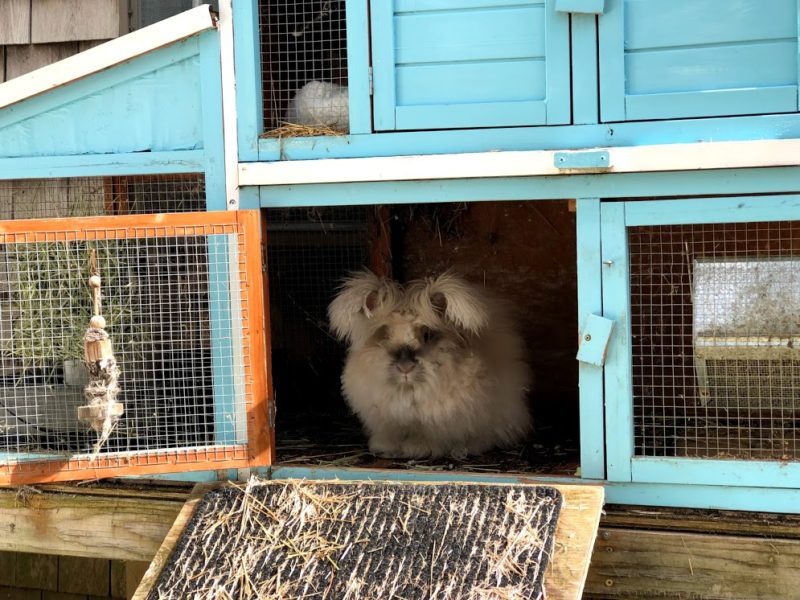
704	496
627	185
249	197
220	306
138	163
249	95
585	105
590	301
618	370
611	44
358	66
710	103
142	65
532	138
748	473
741	209
557	66
220	300
383	64
213	138
581	6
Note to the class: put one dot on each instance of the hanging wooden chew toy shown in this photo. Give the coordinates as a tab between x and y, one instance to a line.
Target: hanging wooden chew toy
103	410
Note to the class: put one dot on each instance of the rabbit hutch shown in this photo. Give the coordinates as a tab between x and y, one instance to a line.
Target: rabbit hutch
621	172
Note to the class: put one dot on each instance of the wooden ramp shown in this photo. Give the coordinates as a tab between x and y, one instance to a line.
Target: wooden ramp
363	540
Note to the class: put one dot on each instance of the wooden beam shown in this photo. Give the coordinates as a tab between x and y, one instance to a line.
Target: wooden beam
522	163
702	521
630	563
95	524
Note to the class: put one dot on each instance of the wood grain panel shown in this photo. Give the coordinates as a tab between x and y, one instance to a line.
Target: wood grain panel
82	525
24	59
15	24
631	563
75	20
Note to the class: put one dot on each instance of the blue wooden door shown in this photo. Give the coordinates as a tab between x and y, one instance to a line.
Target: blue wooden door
441	64
697	58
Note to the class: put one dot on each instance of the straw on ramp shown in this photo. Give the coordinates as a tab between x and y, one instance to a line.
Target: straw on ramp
363	540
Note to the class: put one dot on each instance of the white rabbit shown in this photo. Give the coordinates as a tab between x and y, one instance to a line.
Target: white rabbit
320	104
435	368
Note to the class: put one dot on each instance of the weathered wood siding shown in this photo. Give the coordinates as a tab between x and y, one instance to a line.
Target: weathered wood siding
76	20
36	33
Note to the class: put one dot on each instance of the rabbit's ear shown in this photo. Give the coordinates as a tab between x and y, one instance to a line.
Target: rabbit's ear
455	300
358	298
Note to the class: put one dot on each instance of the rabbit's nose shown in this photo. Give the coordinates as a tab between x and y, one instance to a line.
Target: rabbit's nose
405	360
406	366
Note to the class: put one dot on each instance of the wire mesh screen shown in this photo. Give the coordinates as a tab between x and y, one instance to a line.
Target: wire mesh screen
304	66
95	196
175	298
309	252
715	313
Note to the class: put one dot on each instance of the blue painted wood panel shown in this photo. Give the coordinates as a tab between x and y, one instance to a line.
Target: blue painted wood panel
697	58
590	302
469	63
150	104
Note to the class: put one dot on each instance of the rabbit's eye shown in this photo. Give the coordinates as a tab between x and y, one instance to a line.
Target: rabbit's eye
428	335
381	333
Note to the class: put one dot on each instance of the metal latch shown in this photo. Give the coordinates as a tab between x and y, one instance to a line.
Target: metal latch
593	344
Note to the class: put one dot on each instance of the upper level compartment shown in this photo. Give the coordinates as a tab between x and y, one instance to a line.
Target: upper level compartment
469	63
697	58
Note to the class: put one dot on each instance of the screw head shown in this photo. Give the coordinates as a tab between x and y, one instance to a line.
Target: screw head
587	337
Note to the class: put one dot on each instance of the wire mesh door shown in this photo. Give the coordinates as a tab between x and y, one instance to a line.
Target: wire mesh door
183	302
703	379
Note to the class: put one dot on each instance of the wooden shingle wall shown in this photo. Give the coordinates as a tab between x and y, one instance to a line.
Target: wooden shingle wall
49	577
35	33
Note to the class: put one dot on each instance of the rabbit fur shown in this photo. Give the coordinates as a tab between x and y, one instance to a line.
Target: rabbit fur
320	104
435	368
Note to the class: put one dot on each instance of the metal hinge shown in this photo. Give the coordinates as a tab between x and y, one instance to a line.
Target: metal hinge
371	83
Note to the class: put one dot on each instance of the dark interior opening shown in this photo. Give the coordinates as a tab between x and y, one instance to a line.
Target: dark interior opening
523	251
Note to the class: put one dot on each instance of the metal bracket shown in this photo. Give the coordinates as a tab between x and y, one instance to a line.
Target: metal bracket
593	159
591	7
593	344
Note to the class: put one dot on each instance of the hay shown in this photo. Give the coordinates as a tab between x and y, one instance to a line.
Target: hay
287	130
363	540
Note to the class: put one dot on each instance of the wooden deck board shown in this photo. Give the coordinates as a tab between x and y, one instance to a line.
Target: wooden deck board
631	563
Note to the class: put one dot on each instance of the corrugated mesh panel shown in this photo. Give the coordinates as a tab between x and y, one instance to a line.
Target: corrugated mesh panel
715	315
304	66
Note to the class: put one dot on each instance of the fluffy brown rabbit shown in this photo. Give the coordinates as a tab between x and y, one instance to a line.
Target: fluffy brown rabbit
434	368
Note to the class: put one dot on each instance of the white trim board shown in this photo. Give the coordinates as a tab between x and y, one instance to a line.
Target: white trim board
107	55
632	159
229	114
